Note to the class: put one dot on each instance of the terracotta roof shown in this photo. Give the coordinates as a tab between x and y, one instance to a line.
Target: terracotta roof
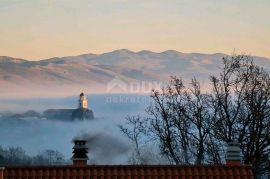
131	171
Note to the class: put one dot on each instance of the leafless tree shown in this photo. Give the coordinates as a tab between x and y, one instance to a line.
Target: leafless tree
241	99
198	112
18	156
179	119
48	157
168	124
194	127
135	133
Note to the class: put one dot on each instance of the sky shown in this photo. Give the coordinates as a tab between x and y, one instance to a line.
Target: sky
39	29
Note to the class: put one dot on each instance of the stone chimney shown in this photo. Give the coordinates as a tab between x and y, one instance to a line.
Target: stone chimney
233	156
79	153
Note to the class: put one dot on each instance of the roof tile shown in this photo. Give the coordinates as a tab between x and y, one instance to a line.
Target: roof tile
142	172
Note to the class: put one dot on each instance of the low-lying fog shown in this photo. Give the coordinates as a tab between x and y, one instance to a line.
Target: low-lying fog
35	135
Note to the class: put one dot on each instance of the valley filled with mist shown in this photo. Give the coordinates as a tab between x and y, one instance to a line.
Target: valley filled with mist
117	84
37	134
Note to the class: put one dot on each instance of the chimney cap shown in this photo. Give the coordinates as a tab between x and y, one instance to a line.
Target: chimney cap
79	144
79	141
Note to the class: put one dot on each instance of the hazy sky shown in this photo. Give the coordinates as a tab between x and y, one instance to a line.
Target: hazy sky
37	29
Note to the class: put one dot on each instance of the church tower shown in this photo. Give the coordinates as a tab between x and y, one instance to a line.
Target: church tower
83	104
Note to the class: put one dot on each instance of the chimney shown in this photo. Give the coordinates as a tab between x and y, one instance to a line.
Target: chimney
79	153
2	172
233	156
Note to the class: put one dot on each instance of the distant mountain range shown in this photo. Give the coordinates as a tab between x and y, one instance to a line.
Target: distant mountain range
92	73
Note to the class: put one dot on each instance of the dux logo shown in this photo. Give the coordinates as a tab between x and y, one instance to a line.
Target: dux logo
116	83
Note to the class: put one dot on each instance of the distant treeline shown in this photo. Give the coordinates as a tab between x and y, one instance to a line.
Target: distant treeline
18	156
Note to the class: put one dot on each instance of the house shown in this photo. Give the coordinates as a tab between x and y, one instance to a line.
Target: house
80	170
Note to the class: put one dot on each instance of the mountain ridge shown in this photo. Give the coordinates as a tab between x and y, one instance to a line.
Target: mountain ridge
127	50
93	72
121	51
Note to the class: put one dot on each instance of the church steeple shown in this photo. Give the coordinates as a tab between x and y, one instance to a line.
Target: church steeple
83	104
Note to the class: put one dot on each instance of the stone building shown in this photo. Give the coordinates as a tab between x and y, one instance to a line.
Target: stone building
82	112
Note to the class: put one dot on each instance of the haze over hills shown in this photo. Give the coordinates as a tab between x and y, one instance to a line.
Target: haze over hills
93	73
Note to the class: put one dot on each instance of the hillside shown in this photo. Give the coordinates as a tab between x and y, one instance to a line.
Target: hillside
93	72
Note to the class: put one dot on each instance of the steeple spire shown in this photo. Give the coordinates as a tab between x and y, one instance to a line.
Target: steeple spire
83	103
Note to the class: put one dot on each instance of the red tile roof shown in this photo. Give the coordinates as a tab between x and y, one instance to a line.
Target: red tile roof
130	172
